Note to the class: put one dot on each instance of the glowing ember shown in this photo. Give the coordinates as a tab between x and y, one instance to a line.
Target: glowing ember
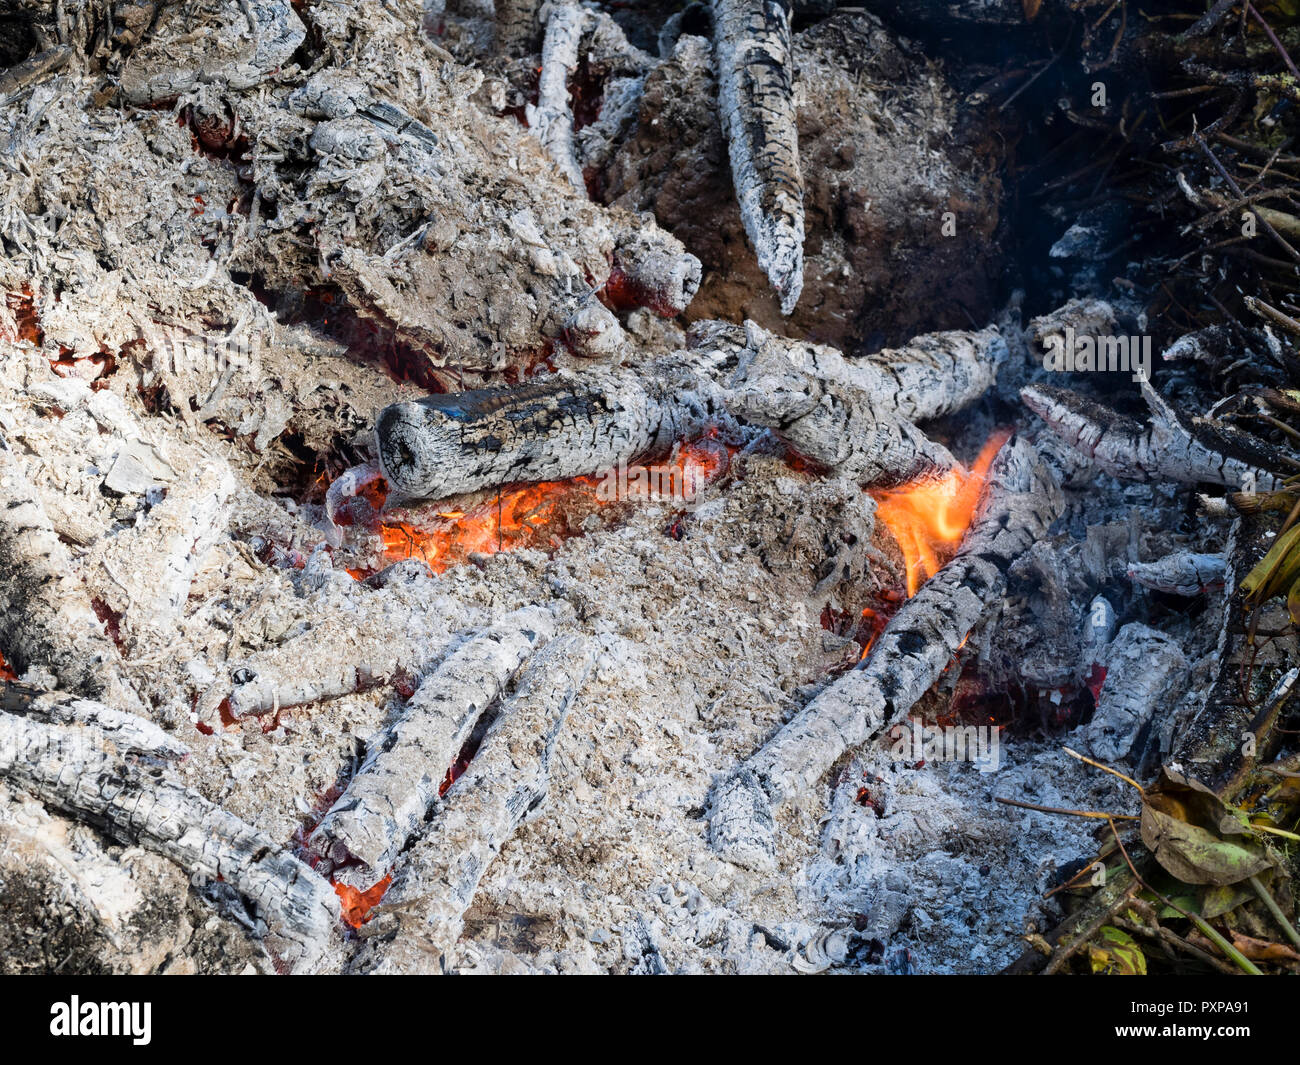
872	625
516	518
536	515
5	672
929	518
358	904
21	307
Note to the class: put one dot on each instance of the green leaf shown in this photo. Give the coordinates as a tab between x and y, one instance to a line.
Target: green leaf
1216	900
1197	856
1197	837
1118	954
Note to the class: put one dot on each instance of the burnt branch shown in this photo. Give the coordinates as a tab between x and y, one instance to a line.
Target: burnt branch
362	635
74	770
128	732
1167	449
552	119
1186	573
517	26
751	40
505	784
386	802
1020	503
855	419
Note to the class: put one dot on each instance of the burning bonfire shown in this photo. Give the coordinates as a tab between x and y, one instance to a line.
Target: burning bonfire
508	494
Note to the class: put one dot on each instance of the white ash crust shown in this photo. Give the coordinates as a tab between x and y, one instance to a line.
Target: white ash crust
1145	674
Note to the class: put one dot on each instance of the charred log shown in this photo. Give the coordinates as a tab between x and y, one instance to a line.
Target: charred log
838	414
387	800
74	770
447	445
517	26
1186	573
552	119
1020	503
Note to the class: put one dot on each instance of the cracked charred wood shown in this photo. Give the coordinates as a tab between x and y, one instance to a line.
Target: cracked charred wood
504	785
47	621
386	802
854	418
1185	573
1167	449
834	412
126	731
1144	669
562	427
74	770
573	31
931	375
751	40
1020	502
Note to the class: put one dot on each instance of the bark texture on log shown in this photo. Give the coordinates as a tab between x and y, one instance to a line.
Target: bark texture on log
1164	450
46	618
73	769
387	800
128	732
448	445
1020	503
854	418
756	101
505	783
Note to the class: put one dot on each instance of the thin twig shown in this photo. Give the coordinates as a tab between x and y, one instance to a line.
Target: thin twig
1098	815
1104	769
1271	905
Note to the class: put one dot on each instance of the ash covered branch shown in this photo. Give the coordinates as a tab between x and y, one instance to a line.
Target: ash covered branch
1020	502
76	770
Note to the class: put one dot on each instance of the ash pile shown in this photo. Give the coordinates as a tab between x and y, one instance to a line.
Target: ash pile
511	490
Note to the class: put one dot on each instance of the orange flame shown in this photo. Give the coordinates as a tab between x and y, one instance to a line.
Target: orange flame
5	672
358	904
929	518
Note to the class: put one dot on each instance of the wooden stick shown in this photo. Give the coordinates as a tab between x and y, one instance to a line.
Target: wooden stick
74	770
